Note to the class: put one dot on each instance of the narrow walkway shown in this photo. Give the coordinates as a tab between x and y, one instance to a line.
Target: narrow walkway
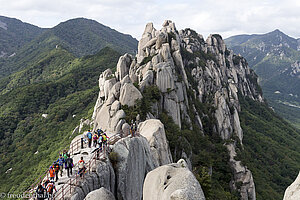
76	153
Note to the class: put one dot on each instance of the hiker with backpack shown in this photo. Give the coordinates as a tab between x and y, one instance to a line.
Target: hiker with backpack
45	183
52	173
69	165
100	142
61	162
81	167
40	192
104	139
50	187
64	155
95	139
56	169
132	128
89	136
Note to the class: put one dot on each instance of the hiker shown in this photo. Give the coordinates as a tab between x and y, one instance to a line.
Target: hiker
40	192
89	136
81	141
52	173
50	187
104	140
69	165
100	142
56	168
99	132
81	167
132	128
61	162
95	139
46	183
65	156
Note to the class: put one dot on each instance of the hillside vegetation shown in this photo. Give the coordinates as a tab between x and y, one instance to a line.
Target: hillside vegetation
275	58
80	37
24	131
271	149
14	34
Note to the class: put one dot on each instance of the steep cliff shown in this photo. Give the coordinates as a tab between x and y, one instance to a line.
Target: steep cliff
196	82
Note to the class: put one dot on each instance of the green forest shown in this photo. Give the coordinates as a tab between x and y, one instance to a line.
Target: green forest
23	129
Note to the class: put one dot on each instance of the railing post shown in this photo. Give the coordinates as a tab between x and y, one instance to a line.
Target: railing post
70	187
62	192
104	151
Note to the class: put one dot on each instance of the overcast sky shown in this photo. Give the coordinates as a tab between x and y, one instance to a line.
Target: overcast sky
226	17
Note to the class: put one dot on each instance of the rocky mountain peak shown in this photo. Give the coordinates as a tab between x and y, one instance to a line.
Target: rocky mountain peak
186	72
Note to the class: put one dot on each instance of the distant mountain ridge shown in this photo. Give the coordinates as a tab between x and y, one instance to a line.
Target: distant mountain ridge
78	36
14	34
275	57
85	37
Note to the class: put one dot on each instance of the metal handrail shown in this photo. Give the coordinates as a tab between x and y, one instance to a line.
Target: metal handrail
92	161
74	146
46	173
73	182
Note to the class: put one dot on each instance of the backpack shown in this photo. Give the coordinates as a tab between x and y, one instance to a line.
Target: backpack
50	188
100	140
70	162
56	167
104	138
89	135
95	137
46	183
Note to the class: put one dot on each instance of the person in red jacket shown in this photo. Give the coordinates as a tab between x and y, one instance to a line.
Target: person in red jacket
81	167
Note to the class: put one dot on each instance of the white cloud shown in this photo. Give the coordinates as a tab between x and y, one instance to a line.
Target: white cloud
227	18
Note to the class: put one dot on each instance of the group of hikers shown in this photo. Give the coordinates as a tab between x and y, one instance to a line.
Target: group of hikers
99	137
45	190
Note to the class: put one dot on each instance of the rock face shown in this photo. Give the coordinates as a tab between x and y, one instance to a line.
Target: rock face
104	176
134	162
293	191
173	181
154	131
191	75
242	175
100	194
129	94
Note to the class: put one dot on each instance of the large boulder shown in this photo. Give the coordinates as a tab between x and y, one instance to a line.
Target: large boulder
109	116
100	194
102	177
129	94
293	191
134	162
173	181
123	66
154	131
